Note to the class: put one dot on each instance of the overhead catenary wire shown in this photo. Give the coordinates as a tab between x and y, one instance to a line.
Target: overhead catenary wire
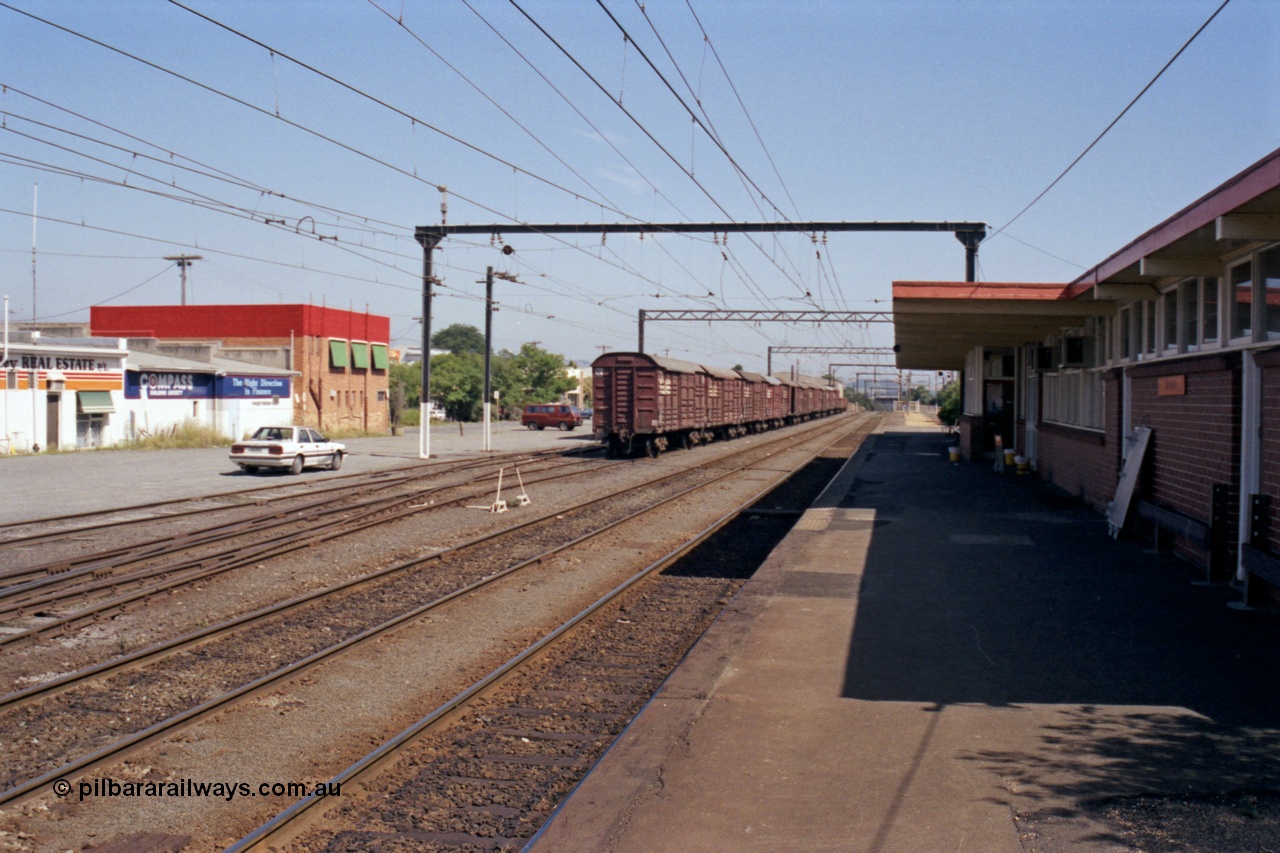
675	292
1113	123
640	125
244	210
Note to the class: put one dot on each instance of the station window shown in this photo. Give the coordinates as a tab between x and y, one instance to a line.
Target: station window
1189	304
1209	311
1169	306
1269	267
1149	329
1074	398
1241	281
1127	349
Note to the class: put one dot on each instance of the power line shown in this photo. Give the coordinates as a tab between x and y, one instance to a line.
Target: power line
1114	121
385	105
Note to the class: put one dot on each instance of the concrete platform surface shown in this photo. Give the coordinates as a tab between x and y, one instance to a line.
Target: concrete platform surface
940	658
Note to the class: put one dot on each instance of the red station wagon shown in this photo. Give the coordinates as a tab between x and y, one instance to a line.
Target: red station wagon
558	415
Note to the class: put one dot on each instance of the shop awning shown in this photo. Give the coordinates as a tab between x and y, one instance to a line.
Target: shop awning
95	402
379	356
359	355
337	353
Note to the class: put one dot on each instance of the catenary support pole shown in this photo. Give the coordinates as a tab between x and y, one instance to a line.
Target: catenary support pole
488	349
429	243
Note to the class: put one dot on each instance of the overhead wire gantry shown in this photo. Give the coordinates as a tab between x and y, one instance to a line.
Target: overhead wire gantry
970	234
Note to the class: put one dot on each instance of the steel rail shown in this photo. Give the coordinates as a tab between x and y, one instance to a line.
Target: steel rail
160	729
273	831
105	564
203	567
70	679
305	488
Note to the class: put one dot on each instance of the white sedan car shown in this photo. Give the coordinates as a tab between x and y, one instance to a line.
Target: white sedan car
292	447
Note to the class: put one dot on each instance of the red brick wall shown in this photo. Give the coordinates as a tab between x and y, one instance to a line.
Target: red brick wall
1195	439
1080	462
970	439
1270	474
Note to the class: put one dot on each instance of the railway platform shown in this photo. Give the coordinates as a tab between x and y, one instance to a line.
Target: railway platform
937	658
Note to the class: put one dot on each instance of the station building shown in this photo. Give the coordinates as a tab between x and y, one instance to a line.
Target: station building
336	360
1149	387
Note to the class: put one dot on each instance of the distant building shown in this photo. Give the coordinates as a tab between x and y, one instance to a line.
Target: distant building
60	392
340	357
163	391
581	393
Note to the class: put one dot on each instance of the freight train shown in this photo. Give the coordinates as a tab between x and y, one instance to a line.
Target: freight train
643	403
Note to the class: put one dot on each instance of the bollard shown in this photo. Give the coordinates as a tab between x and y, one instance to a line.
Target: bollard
953	453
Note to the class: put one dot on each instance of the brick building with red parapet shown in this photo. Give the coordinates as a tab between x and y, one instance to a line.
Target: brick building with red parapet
341	356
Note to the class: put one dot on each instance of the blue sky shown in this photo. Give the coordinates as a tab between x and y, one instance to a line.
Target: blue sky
853	111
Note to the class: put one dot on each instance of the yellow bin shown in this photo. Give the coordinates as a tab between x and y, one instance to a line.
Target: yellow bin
953	453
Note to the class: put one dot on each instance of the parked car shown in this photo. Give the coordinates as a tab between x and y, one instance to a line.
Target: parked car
292	447
558	415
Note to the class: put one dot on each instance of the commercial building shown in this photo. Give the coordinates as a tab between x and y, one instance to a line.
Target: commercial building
60	393
1149	386
163	392
340	357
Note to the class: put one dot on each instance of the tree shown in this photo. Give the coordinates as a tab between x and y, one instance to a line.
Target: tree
949	403
459	338
922	394
860	399
457	384
532	375
404	389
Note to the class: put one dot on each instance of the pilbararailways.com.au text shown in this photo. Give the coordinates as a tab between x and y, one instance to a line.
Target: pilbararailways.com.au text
94	788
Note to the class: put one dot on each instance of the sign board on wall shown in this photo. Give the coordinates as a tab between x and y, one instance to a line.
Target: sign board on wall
1171	386
253	386
162	385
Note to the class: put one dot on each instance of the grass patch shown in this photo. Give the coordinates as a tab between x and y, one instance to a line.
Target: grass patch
187	435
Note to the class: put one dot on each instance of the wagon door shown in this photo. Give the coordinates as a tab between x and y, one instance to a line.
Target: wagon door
652	397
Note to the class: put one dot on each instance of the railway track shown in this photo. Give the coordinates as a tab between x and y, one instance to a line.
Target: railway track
160	513
486	768
305	631
112	580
